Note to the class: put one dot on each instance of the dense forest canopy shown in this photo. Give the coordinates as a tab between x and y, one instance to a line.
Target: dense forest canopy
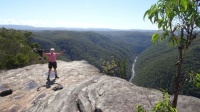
155	67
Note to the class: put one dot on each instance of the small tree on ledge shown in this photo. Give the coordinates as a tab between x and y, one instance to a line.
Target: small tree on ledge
114	67
179	22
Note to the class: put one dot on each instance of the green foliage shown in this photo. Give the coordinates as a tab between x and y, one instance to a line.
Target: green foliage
155	38
35	45
15	49
122	65
197	80
165	105
109	67
114	67
171	16
162	106
18	60
139	108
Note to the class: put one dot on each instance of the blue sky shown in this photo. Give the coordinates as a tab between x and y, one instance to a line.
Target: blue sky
114	14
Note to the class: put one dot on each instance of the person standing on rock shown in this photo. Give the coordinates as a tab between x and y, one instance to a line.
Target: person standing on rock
52	61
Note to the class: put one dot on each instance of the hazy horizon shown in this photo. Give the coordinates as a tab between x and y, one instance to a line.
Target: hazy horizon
43	27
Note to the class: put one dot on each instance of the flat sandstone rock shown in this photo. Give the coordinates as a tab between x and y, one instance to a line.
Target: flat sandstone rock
85	89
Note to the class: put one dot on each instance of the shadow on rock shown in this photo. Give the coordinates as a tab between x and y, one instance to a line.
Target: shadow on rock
49	84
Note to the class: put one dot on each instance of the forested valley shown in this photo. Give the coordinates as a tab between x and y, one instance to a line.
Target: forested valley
155	68
95	46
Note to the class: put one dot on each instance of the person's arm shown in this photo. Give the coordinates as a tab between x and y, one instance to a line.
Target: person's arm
45	54
61	53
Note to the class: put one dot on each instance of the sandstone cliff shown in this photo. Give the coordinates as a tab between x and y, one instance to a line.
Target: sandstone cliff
84	90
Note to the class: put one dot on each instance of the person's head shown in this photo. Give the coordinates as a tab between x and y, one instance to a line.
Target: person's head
52	50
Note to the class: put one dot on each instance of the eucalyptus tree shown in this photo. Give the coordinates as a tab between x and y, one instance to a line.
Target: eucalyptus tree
178	21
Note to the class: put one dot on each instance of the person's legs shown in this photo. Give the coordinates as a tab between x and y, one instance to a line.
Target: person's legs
55	66
50	67
56	76
49	74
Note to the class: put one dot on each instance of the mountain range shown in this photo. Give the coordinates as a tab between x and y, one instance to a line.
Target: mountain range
33	28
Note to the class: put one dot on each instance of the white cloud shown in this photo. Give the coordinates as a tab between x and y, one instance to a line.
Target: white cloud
8	21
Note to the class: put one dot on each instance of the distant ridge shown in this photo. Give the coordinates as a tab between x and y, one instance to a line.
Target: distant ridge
32	28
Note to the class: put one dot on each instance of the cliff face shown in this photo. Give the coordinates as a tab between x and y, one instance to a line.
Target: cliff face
84	90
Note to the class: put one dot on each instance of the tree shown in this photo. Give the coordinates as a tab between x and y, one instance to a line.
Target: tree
178	21
113	67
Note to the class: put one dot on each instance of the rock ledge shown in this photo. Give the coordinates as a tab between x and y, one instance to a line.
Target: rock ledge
85	90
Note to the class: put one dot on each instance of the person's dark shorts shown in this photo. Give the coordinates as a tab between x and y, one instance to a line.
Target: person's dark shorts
52	64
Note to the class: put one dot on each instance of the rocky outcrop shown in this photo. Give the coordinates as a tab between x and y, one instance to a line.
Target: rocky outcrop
84	90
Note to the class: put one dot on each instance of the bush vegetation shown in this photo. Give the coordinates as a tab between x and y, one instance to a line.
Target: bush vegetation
16	49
